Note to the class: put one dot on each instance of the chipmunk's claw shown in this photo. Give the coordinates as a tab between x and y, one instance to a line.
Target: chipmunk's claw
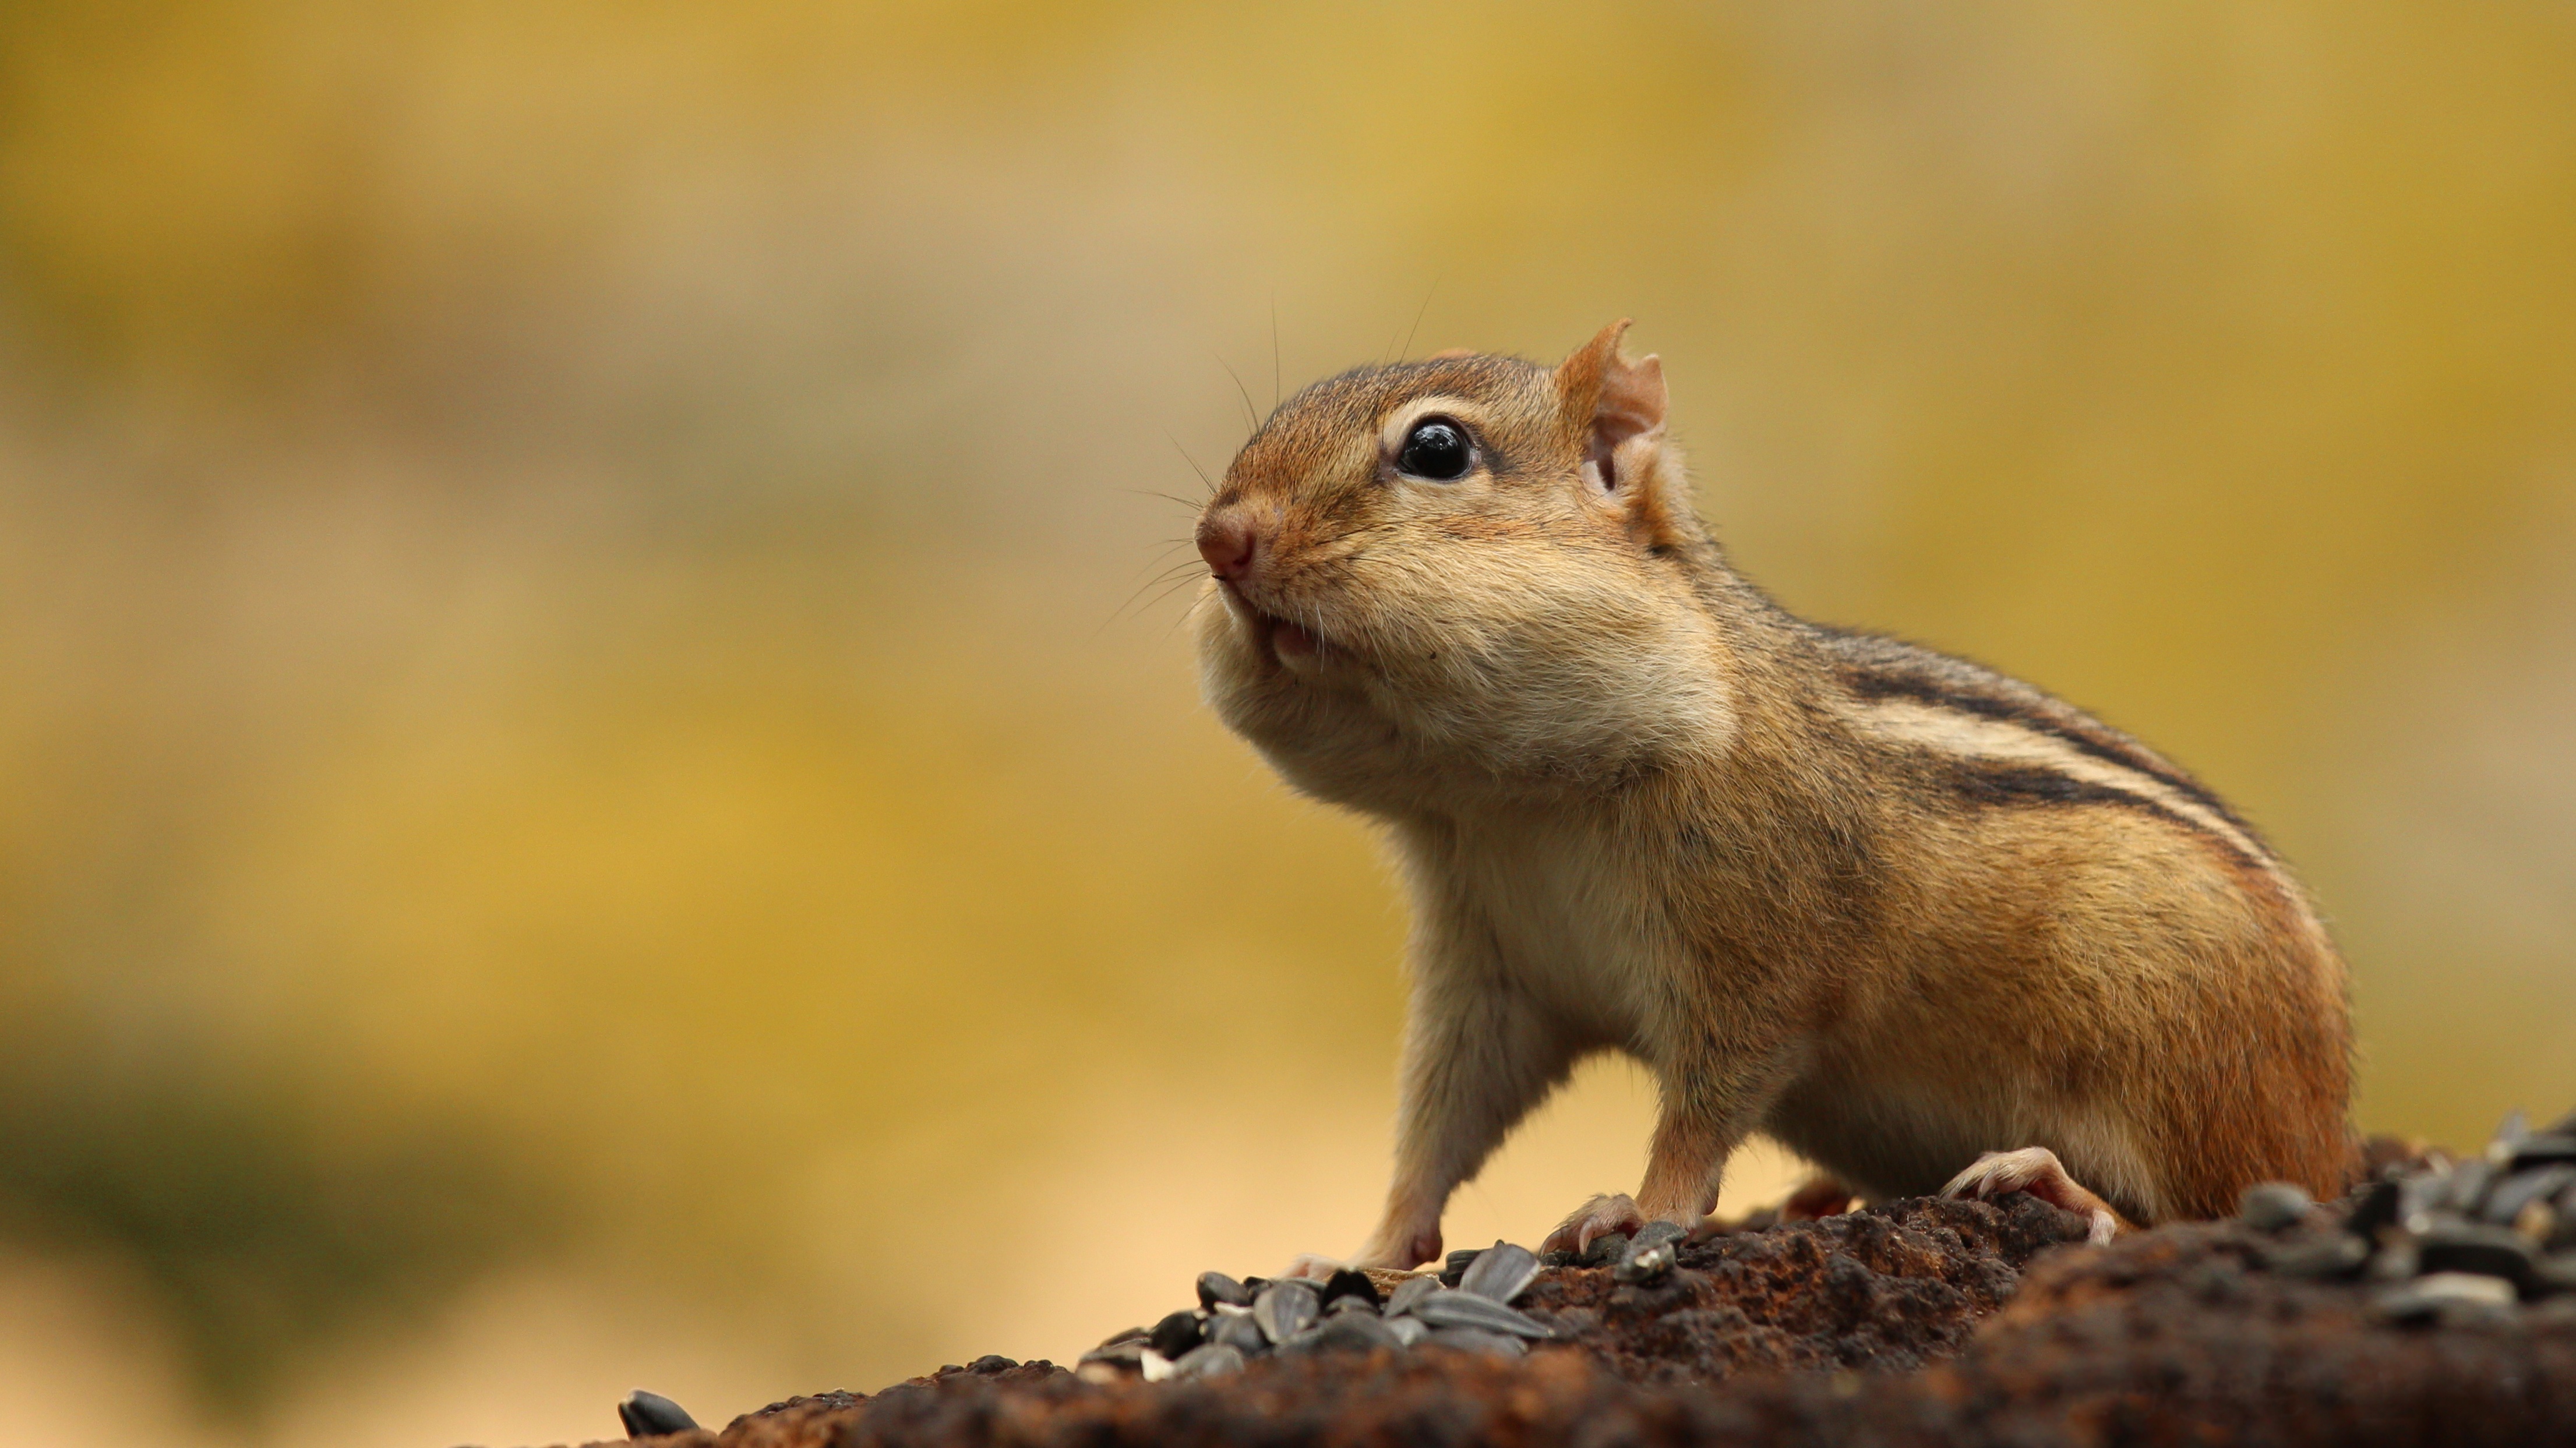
2036	1170
1598	1217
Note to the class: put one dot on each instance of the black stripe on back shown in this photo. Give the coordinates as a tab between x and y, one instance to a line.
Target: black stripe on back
1991	783
1872	684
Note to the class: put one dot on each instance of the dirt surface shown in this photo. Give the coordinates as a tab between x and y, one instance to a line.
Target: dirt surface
1918	1322
1888	1289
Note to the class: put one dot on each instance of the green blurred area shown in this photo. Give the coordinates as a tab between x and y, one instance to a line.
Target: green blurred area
581	678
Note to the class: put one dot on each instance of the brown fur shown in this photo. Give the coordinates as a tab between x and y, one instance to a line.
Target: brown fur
1886	906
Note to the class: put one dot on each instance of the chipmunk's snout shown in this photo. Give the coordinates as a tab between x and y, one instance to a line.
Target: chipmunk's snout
1230	543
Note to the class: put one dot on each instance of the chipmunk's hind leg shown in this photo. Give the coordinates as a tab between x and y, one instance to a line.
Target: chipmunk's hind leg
2036	1170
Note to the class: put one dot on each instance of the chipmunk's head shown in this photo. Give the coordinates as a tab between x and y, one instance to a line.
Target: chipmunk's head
1465	565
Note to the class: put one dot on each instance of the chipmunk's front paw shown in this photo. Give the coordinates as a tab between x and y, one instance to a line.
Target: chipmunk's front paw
1310	1265
2036	1170
1393	1249
1598	1217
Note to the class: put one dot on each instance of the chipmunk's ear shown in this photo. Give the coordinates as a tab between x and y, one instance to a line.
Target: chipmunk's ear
1616	408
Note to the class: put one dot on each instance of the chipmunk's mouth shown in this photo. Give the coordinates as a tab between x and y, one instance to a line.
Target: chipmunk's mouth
1291	645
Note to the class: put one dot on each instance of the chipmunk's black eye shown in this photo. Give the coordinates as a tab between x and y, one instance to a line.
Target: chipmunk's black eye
1436	449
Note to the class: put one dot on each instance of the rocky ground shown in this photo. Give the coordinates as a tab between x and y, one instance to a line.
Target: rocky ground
2437	1304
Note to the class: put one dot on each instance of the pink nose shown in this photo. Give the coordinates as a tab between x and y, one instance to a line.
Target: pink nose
1228	542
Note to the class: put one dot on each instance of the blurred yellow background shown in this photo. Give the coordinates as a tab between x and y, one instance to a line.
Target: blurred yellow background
593	787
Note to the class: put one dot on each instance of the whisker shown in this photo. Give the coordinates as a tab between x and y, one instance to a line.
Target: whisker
1164	582
1417	316
1353	531
1163	566
1251	415
1193	462
1163	570
1196	604
1185	615
1166	497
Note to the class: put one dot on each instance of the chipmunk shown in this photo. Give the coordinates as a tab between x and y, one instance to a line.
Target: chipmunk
1923	924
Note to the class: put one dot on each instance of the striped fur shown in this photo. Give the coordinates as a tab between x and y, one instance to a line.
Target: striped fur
1890	907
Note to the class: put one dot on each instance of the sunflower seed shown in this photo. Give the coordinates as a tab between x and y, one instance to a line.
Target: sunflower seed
1350	1283
1412	1291
1500	1273
1175	1334
1208	1360
2322	1258
2508	1197
1474	1339
2443	1295
1654	1232
1466	1309
2272	1206
2548	1149
2468	1185
2497	1252
1645	1264
649	1415
1216	1288
1356	1332
1114	1363
1285	1309
1239	1332
2377	1208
